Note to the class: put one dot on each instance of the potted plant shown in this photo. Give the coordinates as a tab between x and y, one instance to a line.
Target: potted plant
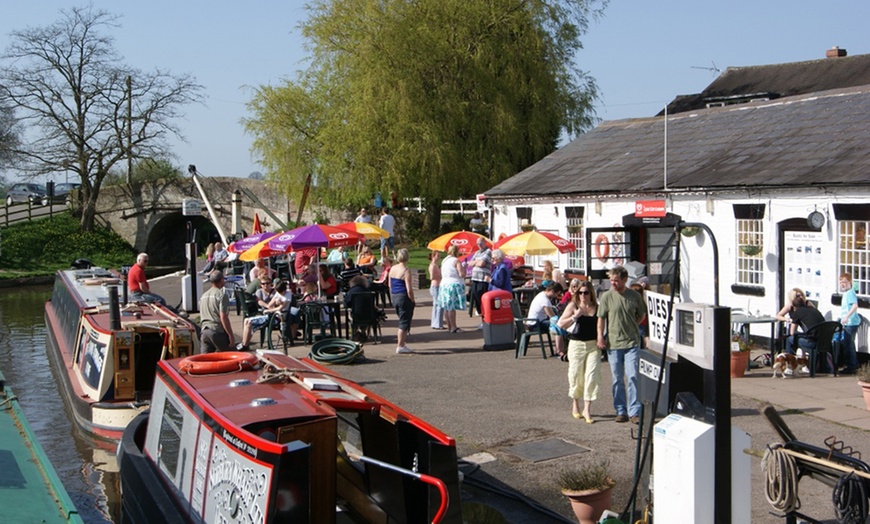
739	356
750	250
589	488
864	381
690	231
575	228
527	227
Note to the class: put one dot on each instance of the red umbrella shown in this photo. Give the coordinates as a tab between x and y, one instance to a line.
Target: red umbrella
466	241
257	227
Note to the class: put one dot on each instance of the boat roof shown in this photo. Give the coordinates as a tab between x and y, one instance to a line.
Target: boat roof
89	288
283	388
30	490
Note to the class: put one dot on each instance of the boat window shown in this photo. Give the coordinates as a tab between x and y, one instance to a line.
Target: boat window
170	437
349	437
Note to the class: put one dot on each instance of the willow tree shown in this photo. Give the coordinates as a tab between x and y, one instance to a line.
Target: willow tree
440	99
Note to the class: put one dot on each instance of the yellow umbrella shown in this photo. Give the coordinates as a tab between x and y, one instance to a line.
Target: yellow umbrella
466	241
534	243
370	231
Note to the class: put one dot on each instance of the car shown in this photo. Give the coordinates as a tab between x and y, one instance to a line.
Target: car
24	192
61	193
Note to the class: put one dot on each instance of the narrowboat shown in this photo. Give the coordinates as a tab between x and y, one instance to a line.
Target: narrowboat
105	353
30	490
267	438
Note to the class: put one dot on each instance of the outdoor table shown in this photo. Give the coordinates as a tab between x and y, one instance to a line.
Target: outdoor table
745	321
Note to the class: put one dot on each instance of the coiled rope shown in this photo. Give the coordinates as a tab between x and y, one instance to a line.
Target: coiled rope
781	489
850	499
335	351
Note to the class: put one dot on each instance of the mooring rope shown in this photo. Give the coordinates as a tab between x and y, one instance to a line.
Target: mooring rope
781	489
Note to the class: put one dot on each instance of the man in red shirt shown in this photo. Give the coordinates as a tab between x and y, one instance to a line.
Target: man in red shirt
137	284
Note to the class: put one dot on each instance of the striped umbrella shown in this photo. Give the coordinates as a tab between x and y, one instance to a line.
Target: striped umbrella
370	231
466	241
244	244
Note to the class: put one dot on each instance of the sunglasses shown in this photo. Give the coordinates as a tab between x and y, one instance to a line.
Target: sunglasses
582	292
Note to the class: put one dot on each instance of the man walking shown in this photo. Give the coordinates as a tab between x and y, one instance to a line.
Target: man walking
388	224
481	269
620	310
214	307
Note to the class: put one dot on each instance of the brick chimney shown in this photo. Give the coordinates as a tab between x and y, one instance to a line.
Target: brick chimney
835	52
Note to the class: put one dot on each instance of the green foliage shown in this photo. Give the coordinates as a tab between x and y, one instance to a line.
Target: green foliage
863	372
433	98
320	217
594	476
146	170
413	231
53	243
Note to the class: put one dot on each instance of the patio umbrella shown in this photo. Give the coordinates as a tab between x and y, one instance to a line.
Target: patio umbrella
313	236
466	241
257	227
244	244
534	243
370	231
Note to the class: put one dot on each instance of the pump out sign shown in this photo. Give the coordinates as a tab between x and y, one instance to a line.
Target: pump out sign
191	207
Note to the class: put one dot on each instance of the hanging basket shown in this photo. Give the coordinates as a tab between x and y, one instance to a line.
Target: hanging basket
575	229
690	231
528	227
750	249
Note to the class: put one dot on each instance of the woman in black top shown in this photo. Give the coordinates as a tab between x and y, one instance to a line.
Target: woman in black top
584	374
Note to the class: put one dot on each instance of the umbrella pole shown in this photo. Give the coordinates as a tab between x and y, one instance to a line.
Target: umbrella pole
317	270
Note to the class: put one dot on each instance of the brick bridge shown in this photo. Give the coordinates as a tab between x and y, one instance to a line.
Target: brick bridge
149	215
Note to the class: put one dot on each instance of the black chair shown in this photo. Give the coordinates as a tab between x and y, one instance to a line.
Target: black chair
246	304
312	317
277	331
823	335
524	333
364	313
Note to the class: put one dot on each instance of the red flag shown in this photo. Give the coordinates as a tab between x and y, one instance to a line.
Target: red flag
257	228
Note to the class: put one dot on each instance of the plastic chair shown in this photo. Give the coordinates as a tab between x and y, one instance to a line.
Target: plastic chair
525	333
312	316
246	304
277	332
364	313
823	335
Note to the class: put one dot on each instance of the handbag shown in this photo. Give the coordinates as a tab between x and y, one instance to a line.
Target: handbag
574	328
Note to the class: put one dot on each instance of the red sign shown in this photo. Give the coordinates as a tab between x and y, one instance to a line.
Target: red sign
650	208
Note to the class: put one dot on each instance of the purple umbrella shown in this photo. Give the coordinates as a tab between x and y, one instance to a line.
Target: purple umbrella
244	244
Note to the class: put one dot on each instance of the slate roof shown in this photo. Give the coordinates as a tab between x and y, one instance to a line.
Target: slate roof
779	80
803	141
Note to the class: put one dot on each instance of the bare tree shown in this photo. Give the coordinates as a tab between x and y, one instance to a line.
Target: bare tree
71	90
9	136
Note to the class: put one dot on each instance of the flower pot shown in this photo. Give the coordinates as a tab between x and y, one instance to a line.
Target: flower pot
690	231
589	505
865	388
750	250
739	361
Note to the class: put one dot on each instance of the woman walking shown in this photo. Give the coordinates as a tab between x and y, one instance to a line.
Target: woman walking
451	294
584	373
402	293
434	284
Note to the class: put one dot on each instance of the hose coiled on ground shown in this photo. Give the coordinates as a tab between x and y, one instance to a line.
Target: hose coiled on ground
781	489
335	351
850	499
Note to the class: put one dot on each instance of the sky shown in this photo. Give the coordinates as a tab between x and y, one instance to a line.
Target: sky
642	53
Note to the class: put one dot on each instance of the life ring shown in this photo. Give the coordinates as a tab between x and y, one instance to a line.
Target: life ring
221	362
602	247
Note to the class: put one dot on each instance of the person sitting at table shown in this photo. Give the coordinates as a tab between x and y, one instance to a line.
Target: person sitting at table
380	284
366	260
265	294
260	264
218	259
350	270
309	292
805	317
281	301
336	256
541	309
551	275
308	274
328	285
784	313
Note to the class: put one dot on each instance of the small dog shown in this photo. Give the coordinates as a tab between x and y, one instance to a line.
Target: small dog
789	365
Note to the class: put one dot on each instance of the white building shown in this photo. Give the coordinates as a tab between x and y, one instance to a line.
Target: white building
783	182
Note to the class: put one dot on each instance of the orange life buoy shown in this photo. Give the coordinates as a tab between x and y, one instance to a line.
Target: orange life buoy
602	247
220	362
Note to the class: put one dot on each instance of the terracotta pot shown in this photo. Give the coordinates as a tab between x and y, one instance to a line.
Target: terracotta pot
865	388
589	505
739	361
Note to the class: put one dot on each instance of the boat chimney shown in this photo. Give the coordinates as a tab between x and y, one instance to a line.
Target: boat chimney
835	52
114	309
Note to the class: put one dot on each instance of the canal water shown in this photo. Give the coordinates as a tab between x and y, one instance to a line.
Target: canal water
87	468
